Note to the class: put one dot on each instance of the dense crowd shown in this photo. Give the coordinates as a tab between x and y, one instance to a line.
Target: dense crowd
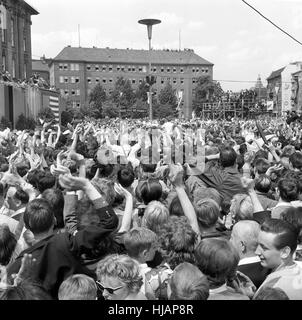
152	210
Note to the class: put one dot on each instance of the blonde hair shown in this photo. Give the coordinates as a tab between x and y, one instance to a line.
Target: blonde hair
242	207
155	215
78	287
139	239
123	268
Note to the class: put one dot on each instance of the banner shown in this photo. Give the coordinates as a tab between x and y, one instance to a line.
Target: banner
54	106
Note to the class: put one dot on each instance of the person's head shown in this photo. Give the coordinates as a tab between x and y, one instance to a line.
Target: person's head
141	244
16	198
155	215
125	177
118	277
244	237
8	244
188	283
228	157
208	193
26	290
177	241
241	207
56	199
295	161
277	242
207	213
150	190
78	287
269	293
217	259
38	217
261	165
287	190
45	181
294	217
263	183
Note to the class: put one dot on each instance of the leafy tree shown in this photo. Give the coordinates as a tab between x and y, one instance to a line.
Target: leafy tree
141	91
5	123
24	123
140	109
163	110
46	114
168	96
67	116
97	97
206	90
123	93
110	109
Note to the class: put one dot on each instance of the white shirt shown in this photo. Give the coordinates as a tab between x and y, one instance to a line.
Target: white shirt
248	260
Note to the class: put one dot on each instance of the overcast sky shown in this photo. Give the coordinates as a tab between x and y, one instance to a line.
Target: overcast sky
228	33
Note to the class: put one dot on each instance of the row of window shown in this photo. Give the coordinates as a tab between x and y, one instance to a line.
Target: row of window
105	68
73	92
66	79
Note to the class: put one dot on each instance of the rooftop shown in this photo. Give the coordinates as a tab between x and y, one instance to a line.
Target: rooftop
40	65
275	74
107	55
31	9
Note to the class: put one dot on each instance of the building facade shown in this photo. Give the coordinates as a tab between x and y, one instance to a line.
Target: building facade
41	68
15	37
280	86
76	71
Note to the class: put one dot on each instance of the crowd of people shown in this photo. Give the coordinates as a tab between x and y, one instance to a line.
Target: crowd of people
34	81
106	209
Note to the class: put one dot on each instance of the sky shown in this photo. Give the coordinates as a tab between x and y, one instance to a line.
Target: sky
228	33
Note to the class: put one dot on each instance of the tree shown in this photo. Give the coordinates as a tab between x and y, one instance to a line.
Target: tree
97	97
46	114
123	93
163	110
24	123
141	91
110	109
5	123
67	116
168	96
206	90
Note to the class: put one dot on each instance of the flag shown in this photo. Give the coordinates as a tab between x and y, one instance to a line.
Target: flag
3	24
54	106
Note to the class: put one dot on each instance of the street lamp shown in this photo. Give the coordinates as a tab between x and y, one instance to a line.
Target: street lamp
149	23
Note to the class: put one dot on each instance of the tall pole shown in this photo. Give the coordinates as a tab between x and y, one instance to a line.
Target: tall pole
150	88
149	23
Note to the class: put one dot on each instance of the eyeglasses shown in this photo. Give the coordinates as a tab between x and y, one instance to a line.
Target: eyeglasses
110	290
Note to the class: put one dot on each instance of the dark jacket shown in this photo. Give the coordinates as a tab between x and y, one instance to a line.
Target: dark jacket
255	272
59	255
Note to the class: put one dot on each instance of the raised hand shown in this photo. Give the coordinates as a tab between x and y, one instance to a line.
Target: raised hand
176	175
122	191
71	183
247	183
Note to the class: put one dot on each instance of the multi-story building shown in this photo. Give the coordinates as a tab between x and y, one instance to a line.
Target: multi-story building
76	71
15	37
280	86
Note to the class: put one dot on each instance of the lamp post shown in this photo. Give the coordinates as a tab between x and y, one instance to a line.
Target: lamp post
149	23
277	91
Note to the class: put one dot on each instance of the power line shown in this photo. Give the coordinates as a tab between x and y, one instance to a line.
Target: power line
272	22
